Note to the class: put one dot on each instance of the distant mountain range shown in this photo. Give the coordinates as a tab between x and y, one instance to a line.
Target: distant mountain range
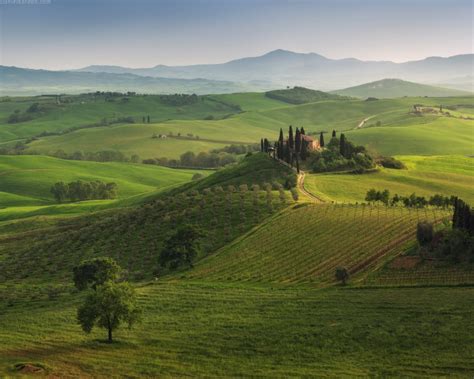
16	81
286	68
390	88
277	69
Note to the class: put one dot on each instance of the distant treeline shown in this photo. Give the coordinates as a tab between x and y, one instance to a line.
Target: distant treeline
412	201
29	114
98	156
190	159
80	191
215	158
178	99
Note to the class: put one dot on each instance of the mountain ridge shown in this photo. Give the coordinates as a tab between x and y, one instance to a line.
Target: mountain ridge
286	68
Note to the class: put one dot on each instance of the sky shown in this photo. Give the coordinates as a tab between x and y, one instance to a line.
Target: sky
66	34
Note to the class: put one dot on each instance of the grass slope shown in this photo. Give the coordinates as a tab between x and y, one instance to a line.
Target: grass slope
76	111
263	117
425	175
213	330
390	88
32	177
435	136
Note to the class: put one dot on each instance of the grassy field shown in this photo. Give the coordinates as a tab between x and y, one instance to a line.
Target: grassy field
401	132
438	136
25	183
425	175
217	330
86	110
32	176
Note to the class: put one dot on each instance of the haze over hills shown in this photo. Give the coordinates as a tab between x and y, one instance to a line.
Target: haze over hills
391	88
21	81
281	67
274	70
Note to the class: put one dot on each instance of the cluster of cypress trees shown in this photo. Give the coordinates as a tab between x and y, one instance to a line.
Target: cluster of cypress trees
463	216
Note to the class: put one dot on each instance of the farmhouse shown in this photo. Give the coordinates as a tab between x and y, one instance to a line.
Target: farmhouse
313	144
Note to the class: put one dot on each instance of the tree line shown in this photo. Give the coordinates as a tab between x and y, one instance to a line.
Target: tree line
412	201
80	191
190	159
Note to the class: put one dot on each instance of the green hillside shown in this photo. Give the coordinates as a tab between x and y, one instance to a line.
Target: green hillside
299	95
400	130
33	176
213	330
425	175
26	182
391	88
66	112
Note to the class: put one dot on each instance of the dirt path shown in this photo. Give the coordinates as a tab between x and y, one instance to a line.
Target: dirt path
362	123
300	185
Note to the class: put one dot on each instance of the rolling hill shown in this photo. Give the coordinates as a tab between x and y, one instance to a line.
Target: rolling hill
425	175
255	290
390	88
401	131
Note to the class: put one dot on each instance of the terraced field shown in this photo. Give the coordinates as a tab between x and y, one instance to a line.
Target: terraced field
306	244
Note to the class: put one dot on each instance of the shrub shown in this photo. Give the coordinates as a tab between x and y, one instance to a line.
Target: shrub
424	233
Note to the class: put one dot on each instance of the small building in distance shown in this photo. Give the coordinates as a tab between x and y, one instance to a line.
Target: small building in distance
313	144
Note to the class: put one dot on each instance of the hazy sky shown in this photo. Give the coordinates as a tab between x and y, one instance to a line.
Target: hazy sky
142	33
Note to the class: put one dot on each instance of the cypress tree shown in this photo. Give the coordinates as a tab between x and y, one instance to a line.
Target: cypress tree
287	153
291	141
148	119
342	145
304	149
265	145
333	134
297	141
280	145
321	139
302	131
261	145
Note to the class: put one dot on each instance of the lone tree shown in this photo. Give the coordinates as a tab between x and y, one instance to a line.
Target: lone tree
333	134
181	248
108	306
342	275
95	272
